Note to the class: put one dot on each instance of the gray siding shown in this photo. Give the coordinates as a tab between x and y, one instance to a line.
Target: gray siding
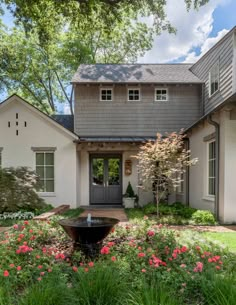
222	53
144	118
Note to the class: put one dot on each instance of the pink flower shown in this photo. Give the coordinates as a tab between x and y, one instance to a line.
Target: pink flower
141	254
40	267
182	266
11	265
91	264
74	268
5	273
15	226
150	233
86	269
49	270
105	250
144	270
113	258
110	243
26	222
217	267
199	267
39	279
18	268
42	273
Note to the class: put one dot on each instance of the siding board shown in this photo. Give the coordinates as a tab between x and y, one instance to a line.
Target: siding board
223	53
144	118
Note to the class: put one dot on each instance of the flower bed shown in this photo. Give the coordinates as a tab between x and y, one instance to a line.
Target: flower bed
145	264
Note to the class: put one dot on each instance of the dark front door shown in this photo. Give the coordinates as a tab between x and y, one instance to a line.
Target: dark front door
105	179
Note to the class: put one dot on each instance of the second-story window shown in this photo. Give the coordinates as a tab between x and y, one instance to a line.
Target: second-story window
214	79
161	94
134	94
106	94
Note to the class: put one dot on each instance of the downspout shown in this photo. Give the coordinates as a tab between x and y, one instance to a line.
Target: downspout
187	175
217	180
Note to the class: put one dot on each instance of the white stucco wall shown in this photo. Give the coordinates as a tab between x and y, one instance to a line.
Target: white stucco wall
227	168
198	197
126	152
39	132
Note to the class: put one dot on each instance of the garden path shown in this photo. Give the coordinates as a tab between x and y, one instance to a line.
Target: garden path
114	213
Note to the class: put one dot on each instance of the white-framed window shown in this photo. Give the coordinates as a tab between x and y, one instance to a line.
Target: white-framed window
214	79
161	94
106	94
45	170
133	94
211	160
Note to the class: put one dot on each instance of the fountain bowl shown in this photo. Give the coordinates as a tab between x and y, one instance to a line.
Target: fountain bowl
88	236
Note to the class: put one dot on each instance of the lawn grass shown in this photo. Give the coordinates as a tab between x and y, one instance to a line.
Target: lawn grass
72	213
226	238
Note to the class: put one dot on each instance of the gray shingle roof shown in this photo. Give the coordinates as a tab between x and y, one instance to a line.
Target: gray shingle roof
66	120
135	73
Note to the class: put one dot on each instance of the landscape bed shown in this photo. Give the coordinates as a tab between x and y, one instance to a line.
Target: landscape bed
141	263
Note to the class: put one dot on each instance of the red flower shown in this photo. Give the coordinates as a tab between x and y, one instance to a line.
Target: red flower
91	264
110	243
105	250
18	268
141	254
150	233
26	222
113	258
5	273
40	267
74	268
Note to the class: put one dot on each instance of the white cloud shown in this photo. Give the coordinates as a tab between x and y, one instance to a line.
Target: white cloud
193	30
208	43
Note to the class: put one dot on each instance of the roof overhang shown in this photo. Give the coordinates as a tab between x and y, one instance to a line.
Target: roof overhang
126	139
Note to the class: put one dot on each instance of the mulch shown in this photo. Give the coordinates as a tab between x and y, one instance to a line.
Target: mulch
219	229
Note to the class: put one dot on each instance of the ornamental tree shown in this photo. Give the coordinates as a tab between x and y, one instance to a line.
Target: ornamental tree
162	163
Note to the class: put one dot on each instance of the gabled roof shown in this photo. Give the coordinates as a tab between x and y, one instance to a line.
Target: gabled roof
41	114
135	73
66	120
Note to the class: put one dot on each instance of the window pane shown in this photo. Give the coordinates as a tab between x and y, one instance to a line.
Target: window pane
40	171
39	158
98	171
49	159
49	172
114	171
49	186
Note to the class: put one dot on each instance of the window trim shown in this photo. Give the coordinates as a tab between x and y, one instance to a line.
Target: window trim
167	94
133	88
217	64
46	193
208	195
100	94
1	149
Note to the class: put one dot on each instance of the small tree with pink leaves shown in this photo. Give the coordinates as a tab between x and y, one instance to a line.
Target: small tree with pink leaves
162	163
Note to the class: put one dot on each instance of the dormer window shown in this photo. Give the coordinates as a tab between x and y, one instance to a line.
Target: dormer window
214	79
106	94
134	94
161	94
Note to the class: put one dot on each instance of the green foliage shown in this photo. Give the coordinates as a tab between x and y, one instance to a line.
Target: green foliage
18	190
71	213
53	290
176	213
102	285
203	217
219	290
154	294
129	191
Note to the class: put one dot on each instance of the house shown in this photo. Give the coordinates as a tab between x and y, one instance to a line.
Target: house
88	159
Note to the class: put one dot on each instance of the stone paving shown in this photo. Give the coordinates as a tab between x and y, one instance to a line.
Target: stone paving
114	213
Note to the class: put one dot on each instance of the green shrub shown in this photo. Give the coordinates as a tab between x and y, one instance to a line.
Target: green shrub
203	217
150	208
51	290
102	285
18	190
